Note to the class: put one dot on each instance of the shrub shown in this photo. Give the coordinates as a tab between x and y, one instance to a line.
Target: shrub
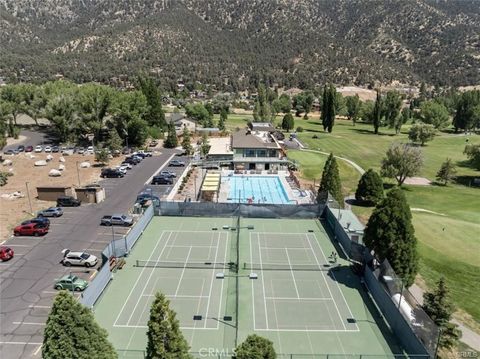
299	129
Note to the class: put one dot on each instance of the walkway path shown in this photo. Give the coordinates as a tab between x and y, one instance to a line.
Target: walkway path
350	162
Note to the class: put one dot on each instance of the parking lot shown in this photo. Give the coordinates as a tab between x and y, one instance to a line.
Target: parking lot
27	280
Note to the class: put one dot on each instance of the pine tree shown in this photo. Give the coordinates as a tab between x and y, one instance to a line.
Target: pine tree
204	146
155	115
370	188
186	142
391	235
171	140
71	332
288	122
330	182
223	119
164	337
438	306
377	113
446	172
328	107
255	347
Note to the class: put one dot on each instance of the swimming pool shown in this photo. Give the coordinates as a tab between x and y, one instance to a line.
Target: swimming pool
256	189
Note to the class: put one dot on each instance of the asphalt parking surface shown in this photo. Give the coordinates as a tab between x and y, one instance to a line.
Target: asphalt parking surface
26	281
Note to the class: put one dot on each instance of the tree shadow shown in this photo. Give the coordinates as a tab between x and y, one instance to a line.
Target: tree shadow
370	132
468	181
387	186
354	202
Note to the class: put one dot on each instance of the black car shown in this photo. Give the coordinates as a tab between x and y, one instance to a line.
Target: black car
68	201
21	148
111	173
143	198
133	160
55	149
162	180
39	220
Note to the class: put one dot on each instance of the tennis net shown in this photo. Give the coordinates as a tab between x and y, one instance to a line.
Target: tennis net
295	267
194	265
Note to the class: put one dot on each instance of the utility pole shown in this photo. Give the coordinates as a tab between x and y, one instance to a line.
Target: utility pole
29	200
78	175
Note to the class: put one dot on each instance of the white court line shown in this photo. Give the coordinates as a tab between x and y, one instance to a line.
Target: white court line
194	246
263	281
17	245
39	306
307	330
177	296
291	271
253	291
183	271
144	326
325	280
28	323
49	292
211	281
221	289
298	299
282	248
148	280
136	282
336	282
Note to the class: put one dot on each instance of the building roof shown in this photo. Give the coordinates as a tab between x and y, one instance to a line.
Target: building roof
219	146
262	126
175	117
248	139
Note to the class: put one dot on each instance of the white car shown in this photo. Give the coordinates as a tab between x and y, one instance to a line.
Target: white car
38	148
48	149
78	259
128	166
90	150
122	169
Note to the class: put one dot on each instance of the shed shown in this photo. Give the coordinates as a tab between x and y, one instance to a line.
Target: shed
51	193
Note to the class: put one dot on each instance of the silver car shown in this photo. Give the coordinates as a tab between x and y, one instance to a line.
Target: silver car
78	259
51	212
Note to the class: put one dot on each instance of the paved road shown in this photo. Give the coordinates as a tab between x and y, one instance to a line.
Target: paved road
27	280
33	138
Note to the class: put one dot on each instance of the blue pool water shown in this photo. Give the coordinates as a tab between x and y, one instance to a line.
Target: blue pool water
258	188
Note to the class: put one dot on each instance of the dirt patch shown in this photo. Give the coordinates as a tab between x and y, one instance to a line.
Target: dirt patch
418	181
12	211
364	94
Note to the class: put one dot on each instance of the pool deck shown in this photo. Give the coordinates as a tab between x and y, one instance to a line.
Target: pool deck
294	196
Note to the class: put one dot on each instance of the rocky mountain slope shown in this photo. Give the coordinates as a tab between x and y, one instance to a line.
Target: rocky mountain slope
236	43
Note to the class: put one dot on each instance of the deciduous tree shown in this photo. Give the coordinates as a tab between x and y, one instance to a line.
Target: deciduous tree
446	172
72	332
171	140
155	116
389	232
392	104
186	141
473	154
435	114
353	104
421	133
401	161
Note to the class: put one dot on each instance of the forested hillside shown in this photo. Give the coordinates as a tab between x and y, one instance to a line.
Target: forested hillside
234	43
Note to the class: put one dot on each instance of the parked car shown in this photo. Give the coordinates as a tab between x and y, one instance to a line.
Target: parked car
20	148
154	143
38	148
167	174
143	153
10	152
6	253
68	201
161	180
182	153
116	220
176	163
51	212
29	149
111	173
140	155
126	151
133	160
90	150
122	169
78	259
40	220
80	150
127	165
47	149
143	198
55	149
30	229
71	282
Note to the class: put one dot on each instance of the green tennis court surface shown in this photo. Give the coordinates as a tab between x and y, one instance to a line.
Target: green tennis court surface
302	299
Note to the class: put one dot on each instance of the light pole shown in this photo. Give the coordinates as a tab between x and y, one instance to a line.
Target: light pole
29	200
78	174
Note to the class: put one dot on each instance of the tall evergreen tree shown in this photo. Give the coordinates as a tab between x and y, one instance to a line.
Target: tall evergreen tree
71	332
171	140
438	306
155	116
330	182
164	337
186	141
288	122
390	234
223	119
354	105
328	107
377	113
255	347
262	110
370	188
391	107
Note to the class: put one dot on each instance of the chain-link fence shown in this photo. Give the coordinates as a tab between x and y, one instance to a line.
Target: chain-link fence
211	209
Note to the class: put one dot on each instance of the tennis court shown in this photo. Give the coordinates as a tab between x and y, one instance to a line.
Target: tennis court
302	300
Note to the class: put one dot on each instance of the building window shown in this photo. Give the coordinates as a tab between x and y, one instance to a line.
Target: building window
249	153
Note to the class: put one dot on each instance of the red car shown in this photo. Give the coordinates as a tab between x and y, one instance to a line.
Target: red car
5	253
29	149
30	229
